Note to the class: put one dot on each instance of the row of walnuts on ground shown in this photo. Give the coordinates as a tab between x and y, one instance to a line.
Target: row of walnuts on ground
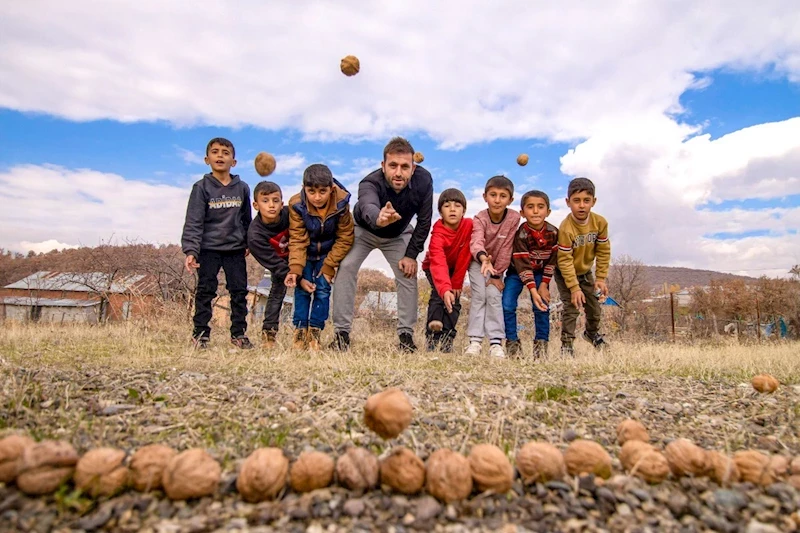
40	468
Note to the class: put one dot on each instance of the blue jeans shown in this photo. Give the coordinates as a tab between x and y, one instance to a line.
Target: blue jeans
302	300
511	291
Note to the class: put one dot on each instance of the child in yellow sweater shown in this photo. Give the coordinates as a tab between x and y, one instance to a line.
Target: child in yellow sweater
582	239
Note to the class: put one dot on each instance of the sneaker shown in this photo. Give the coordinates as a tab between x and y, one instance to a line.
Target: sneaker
313	339
497	350
597	340
514	348
539	349
242	342
269	338
567	349
435	325
340	342
407	343
201	342
474	348
299	342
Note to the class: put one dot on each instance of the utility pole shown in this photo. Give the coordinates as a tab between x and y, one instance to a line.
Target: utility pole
672	313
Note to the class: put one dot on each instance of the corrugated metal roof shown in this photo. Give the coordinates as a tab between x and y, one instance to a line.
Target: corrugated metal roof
77	282
27	301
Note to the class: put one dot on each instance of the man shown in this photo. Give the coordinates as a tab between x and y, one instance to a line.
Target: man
387	200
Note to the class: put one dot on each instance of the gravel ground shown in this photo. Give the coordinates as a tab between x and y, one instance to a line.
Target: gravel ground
231	415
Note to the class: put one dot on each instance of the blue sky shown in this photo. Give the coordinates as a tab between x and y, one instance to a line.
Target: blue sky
692	136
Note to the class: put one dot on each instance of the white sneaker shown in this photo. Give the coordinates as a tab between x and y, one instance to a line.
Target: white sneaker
497	350
474	348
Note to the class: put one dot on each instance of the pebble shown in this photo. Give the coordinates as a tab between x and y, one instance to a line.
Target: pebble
642	494
624	510
730	499
570	435
428	508
353	507
754	526
558	485
672	408
678	504
451	513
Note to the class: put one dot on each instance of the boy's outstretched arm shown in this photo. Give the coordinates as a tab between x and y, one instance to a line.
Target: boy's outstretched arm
345	237
603	258
298	243
193	226
521	258
566	266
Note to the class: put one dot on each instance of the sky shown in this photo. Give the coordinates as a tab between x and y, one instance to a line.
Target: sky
685	115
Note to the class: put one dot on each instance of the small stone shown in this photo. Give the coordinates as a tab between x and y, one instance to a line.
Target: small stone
353	507
98	518
678	504
117	408
642	494
428	508
558	485
587	483
731	499
570	435
754	526
605	494
672	408
450	513
624	510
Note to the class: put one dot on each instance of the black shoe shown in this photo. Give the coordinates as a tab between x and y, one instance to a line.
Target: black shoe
201	342
341	341
597	340
567	349
539	349
514	349
242	342
407	343
432	341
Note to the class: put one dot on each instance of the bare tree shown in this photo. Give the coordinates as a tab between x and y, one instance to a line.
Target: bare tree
627	282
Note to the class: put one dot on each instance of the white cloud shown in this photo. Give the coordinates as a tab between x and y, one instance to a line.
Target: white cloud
190	157
45	246
460	72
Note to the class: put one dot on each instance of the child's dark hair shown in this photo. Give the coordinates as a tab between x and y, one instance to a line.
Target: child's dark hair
499	182
266	187
452	195
535	194
317	175
397	145
580	185
221	141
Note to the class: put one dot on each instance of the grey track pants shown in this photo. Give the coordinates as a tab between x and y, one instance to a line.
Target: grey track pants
344	286
485	308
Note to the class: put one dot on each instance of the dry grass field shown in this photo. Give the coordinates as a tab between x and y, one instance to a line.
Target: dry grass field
132	384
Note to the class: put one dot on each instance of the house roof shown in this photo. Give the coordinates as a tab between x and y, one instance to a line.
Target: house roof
27	301
46	280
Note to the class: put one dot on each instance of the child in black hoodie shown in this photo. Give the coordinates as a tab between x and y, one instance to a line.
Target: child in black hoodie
268	240
215	236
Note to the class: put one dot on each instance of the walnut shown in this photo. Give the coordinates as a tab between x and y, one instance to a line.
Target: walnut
765	383
350	65
418	157
147	466
265	164
491	469
522	159
540	462
643	460
312	470
388	413
722	469
631	430
448	476
46	466
686	458
11	449
587	457
760	468
101	472
263	475
403	471
358	469
191	474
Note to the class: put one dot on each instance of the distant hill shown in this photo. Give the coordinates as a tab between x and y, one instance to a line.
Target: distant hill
657	276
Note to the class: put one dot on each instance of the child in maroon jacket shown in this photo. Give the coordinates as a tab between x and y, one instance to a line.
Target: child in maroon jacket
445	266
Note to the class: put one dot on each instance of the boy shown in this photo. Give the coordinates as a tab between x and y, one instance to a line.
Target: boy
445	266
582	238
534	259
321	232
215	236
491	247
268	240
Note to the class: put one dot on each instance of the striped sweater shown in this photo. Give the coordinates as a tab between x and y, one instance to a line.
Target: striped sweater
579	246
535	251
494	238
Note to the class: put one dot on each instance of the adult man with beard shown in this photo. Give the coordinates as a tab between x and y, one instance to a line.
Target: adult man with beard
387	200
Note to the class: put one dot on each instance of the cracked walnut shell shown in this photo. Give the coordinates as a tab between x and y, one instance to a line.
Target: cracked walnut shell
388	413
312	470
263	475
448	476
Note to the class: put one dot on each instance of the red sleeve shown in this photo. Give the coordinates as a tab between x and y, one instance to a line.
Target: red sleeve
464	256
439	270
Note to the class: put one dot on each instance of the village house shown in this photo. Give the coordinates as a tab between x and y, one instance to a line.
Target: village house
86	297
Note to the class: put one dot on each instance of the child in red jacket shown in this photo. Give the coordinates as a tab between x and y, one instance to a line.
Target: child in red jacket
445	266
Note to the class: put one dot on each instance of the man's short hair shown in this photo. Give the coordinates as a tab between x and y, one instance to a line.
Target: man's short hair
499	182
398	145
580	185
317	175
266	187
535	194
452	195
221	141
